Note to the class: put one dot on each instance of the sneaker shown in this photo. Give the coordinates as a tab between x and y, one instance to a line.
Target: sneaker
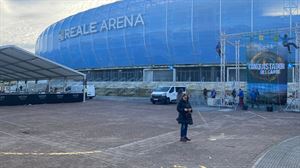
187	139
183	139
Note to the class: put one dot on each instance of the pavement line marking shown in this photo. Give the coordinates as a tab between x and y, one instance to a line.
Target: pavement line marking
258	115
202	118
48	154
9	134
15	124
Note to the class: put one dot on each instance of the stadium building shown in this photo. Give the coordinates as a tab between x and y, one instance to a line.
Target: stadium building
161	40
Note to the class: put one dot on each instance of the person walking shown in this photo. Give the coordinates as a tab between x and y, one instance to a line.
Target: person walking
184	117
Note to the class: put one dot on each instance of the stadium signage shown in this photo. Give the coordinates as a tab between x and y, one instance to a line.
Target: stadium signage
110	24
267	72
267	68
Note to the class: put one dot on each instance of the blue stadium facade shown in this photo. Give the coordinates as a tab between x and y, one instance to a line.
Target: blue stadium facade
141	33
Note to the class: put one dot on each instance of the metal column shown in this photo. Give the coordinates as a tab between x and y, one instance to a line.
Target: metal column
237	63
297	67
223	68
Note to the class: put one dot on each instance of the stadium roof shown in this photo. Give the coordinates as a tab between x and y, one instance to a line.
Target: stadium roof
18	64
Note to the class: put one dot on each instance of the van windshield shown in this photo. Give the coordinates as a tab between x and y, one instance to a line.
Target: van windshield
161	89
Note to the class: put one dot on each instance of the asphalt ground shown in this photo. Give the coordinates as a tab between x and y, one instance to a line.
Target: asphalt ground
121	132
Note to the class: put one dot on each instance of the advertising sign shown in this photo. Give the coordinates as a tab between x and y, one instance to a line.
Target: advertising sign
267	73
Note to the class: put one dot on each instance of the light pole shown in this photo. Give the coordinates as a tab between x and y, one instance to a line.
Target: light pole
252	12
220	18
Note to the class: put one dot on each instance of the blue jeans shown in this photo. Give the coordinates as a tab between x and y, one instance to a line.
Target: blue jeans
183	130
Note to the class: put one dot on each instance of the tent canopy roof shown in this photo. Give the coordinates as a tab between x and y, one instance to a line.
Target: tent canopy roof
18	64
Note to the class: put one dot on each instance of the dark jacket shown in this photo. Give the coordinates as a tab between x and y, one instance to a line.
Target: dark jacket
253	95
241	94
233	93
183	116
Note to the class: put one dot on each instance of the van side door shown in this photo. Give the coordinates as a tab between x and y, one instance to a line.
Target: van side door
172	94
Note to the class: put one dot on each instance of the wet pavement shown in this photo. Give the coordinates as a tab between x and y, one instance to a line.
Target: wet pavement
122	132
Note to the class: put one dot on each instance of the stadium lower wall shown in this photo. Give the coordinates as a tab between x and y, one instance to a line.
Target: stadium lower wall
144	89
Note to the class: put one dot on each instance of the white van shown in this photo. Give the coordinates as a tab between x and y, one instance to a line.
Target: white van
166	94
89	91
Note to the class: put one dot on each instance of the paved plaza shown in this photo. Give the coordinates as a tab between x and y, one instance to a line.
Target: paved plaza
115	132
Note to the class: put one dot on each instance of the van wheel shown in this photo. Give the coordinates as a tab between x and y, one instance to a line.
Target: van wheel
153	102
167	101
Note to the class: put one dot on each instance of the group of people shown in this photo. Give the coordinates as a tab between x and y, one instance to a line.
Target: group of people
253	96
240	95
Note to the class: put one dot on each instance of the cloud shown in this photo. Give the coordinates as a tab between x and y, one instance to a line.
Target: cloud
22	21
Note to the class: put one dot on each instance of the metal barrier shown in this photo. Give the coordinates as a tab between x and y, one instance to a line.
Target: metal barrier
23	99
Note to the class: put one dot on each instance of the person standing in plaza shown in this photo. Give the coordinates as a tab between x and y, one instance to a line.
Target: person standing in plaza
241	98
257	97
253	98
179	95
213	94
205	95
184	116
233	93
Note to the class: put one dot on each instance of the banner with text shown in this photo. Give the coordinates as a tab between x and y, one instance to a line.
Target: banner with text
267	73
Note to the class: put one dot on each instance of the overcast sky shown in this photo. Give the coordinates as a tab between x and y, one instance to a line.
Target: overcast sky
22	21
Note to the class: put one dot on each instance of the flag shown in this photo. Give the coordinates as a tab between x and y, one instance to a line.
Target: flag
218	49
